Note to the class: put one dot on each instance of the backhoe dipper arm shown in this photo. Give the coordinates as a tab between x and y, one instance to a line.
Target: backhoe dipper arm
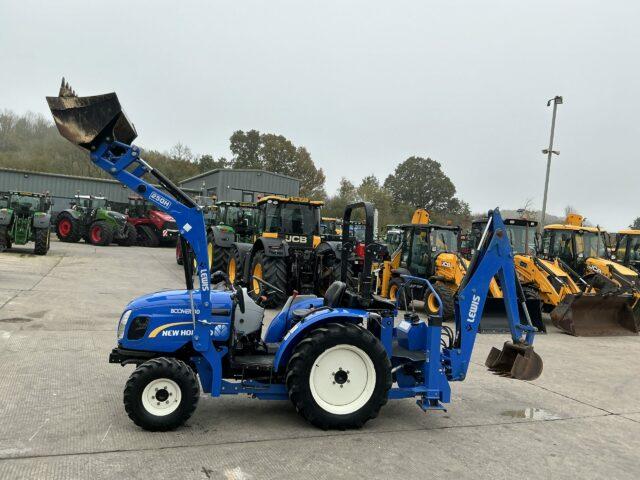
493	257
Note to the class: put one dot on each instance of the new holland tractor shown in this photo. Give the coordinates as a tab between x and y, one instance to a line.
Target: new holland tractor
25	217
582	251
283	253
91	219
339	359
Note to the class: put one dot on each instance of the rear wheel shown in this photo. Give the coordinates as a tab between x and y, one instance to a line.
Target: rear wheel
446	295
130	236
68	228
272	270
147	237
100	233
161	394
41	239
218	257
339	376
5	244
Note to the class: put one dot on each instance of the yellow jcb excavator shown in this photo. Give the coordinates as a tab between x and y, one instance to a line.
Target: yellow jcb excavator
430	251
609	301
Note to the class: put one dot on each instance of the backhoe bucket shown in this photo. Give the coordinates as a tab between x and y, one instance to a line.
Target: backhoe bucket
515	360
495	320
586	315
87	121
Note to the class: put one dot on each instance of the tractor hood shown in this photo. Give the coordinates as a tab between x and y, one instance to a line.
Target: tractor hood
177	298
602	265
165	217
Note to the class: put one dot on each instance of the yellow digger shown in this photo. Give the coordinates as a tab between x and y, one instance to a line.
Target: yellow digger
429	251
627	249
608	302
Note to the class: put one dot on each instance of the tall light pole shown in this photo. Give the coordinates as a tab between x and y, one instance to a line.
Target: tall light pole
557	100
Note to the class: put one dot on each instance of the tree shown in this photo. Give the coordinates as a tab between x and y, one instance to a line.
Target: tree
275	153
421	183
245	148
636	224
206	163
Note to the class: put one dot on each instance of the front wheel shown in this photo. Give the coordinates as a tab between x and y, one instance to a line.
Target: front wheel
339	376
448	304
130	236
5	244
161	394
272	270
100	233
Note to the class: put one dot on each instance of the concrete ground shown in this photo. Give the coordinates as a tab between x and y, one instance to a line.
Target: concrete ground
61	413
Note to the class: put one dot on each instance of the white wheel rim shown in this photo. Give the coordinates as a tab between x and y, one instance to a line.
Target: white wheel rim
342	379
161	397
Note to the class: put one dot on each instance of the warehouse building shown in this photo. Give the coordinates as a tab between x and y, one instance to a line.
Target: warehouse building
63	188
242	185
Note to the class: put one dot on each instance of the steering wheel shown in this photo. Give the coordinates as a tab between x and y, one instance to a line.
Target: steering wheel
272	287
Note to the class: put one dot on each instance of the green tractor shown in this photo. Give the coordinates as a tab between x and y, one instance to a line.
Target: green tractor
234	222
91	219
25	217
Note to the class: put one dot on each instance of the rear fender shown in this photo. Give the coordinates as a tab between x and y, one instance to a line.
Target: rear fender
222	238
272	247
301	329
5	216
74	213
41	221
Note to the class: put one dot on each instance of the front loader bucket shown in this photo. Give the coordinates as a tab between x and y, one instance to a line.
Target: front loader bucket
515	360
87	121
587	315
494	316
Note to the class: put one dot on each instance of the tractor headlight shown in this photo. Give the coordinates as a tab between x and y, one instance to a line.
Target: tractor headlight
122	324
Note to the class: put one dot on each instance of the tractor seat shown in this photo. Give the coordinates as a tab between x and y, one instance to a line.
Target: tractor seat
332	299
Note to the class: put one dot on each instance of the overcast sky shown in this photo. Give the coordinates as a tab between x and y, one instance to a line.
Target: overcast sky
363	85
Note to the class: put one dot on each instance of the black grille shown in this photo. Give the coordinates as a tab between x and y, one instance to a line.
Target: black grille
138	328
170	226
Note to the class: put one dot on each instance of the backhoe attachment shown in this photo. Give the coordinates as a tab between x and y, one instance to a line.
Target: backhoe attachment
516	360
594	315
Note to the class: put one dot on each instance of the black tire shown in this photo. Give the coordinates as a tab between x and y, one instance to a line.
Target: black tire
41	239
446	295
75	230
394	285
274	271
105	235
5	243
327	270
147	237
179	252
220	258
304	358
130	236
171	369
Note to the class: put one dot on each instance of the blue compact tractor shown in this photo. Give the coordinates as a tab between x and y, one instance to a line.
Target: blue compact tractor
338	358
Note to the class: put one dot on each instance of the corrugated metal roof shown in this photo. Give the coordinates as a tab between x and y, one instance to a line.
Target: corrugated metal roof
210	172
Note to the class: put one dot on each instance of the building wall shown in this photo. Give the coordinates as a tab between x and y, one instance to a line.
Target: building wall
243	185
64	187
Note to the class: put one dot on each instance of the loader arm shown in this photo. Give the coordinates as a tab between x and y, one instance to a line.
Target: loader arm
99	125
